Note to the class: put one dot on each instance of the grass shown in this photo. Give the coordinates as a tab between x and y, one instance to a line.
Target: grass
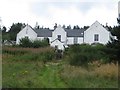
31	74
82	78
27	70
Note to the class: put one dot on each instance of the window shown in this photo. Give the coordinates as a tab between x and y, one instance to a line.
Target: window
56	47
59	37
96	37
75	40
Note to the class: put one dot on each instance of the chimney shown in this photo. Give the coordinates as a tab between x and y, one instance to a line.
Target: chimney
106	24
55	26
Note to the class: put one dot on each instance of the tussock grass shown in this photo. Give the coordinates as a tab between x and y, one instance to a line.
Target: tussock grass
28	54
107	70
73	71
99	77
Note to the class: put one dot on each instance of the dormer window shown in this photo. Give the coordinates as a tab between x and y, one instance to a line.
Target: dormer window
59	37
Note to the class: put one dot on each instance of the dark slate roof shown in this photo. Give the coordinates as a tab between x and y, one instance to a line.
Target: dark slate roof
74	32
70	32
44	32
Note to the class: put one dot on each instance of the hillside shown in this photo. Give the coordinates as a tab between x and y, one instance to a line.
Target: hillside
37	68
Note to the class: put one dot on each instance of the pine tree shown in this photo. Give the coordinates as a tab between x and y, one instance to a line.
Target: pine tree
14	29
115	43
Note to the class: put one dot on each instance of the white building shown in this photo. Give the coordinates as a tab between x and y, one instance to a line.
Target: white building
96	33
62	37
29	32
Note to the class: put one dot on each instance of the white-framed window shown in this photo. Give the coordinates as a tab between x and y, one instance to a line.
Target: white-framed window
59	37
96	37
75	40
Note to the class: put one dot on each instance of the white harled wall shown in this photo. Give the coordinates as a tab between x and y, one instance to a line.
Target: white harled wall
26	32
59	31
54	42
96	28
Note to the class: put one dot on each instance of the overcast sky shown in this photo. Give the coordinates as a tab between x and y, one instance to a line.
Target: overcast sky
68	12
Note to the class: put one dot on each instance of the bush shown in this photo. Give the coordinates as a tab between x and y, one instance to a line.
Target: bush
25	42
112	54
46	56
84	53
78	59
113	50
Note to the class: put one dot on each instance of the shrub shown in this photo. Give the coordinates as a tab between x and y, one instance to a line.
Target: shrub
84	53
78	59
45	42
26	42
36	44
112	54
46	56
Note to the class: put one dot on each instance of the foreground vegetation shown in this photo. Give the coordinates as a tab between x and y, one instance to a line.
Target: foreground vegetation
82	66
38	68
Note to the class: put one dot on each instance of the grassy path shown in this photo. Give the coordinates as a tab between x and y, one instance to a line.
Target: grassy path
50	77
29	75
